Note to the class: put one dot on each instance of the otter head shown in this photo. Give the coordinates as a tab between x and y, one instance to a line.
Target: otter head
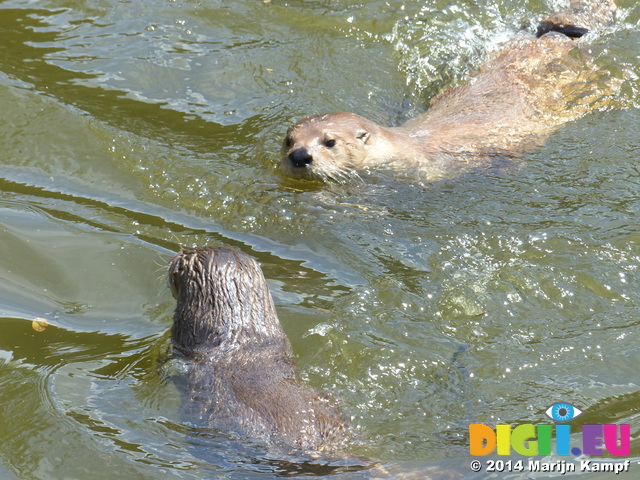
222	301
328	147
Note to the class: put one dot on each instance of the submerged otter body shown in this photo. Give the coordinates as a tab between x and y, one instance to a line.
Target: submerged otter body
242	374
518	98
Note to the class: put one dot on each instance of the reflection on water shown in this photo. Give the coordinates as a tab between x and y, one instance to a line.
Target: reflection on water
131	129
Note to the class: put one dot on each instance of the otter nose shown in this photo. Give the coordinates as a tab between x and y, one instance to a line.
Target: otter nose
300	157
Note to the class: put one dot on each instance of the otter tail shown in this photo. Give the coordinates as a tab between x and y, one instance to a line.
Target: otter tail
582	16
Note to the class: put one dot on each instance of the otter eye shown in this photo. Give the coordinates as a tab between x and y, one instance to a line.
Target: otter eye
288	142
330	143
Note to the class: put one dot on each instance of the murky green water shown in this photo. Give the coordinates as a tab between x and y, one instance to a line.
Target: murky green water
129	129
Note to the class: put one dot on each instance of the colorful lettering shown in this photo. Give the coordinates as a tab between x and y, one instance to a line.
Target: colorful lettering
611	440
482	440
523	435
530	440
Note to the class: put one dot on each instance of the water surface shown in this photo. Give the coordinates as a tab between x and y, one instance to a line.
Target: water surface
130	129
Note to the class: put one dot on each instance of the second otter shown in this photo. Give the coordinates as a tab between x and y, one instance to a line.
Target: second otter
510	105
242	375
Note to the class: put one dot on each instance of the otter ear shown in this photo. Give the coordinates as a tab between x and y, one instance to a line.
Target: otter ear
363	135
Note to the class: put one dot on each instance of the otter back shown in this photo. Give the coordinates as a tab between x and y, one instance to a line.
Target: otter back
241	372
527	90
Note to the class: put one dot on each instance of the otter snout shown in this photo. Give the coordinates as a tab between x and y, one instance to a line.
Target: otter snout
300	157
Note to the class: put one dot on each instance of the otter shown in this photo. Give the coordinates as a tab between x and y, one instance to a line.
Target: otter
241	374
509	106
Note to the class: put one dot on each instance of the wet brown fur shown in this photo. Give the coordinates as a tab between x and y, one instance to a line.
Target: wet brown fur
519	97
242	374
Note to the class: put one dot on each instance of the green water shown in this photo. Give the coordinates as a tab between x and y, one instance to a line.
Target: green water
129	129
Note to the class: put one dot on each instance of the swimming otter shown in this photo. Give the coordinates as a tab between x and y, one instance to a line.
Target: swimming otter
242	374
519	97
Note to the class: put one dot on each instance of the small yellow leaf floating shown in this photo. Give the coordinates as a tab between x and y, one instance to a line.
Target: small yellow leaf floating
39	324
